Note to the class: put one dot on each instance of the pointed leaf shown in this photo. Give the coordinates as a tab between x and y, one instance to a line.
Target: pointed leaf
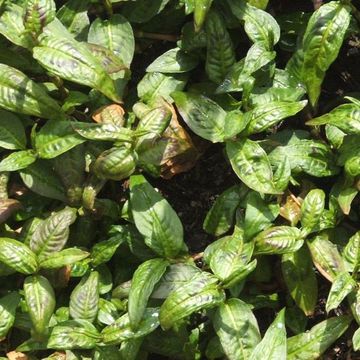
143	282
320	46
351	253
18	160
41	179
18	256
20	94
121	330
8	305
311	209
326	256
265	116
72	61
12	132
40	300
260	26
56	138
115	34
84	299
73	334
51	235
63	258
346	117
204	116
237	328
173	61
220	55
312	344
278	240
221	216
273	345
343	285
201	292
155	219
300	279
251	165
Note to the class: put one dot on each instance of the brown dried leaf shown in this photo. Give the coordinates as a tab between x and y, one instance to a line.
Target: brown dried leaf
291	209
113	114
7	208
180	154
14	355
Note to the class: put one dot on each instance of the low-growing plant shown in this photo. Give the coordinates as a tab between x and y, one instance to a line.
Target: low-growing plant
99	99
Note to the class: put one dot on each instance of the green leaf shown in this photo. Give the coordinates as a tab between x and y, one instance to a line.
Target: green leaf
155	84
146	276
73	14
18	160
103	132
221	216
320	46
351	252
56	138
84	299
63	258
12	25
176	276
201	292
246	69
12	132
8	305
103	251
38	13
251	165
356	340
312	344
220	55
229	259
203	115
18	256
41	179
121	329
155	219
72	61
143	10
345	117
73	334
300	279
343	285
173	61
273	345
237	328
116	163
278	240
201	8
51	235
312	209
20	94
312	157
326	256
260	26
40	300
258	215
115	34
267	115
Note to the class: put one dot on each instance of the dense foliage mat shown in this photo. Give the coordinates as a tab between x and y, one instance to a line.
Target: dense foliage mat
103	102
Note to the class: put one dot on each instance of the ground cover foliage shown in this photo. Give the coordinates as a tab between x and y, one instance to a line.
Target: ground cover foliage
105	105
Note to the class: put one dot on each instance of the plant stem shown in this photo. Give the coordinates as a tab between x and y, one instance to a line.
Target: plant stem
154	36
108	8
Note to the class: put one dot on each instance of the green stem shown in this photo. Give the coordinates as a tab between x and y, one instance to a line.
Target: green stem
108	8
153	36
